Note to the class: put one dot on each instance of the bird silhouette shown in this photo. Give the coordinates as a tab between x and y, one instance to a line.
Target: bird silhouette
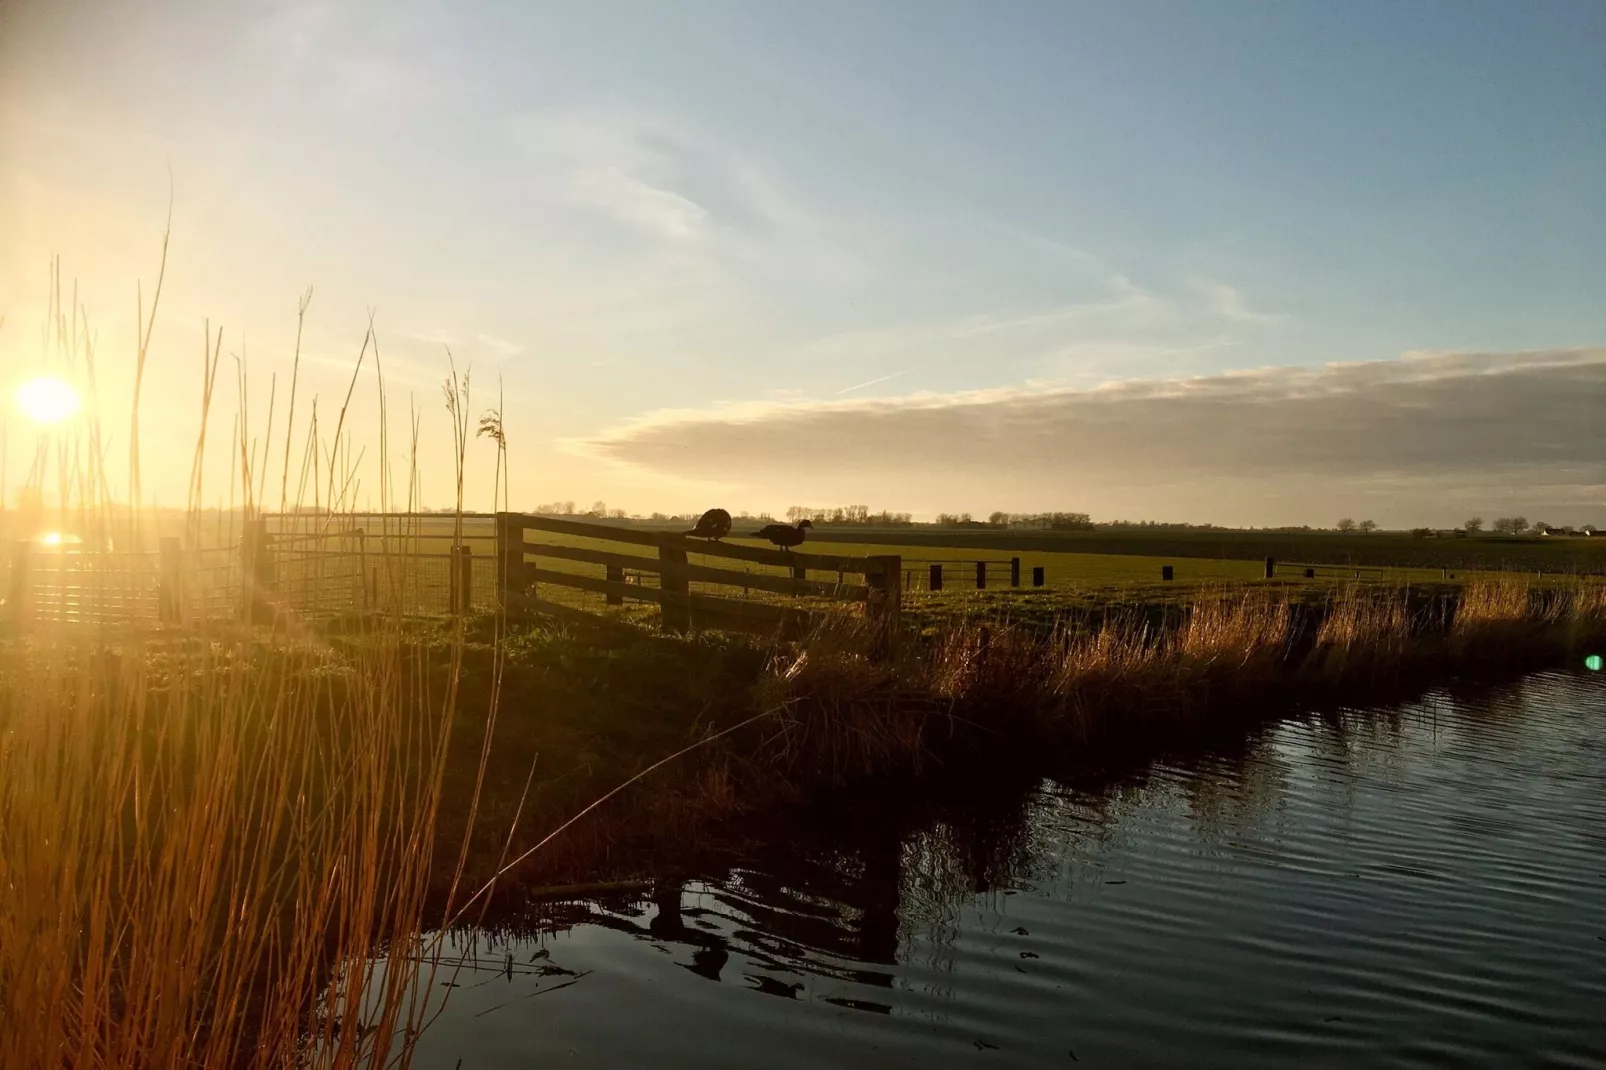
714	524
784	535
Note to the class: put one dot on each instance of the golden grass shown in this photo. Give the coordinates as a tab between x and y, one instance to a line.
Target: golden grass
201	831
193	838
1130	671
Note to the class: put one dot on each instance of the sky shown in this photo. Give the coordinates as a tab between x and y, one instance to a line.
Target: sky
1240	263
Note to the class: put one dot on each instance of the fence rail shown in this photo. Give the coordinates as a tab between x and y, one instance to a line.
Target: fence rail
524	574
1311	571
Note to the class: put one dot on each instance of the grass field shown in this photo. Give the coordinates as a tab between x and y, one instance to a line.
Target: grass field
1488	553
1082	569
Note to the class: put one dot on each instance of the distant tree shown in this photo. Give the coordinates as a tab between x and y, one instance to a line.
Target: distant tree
1070	522
1346	524
1473	525
619	514
1366	526
1519	524
1421	533
998	519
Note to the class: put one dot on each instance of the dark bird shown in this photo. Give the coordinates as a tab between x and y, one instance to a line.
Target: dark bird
714	524
784	535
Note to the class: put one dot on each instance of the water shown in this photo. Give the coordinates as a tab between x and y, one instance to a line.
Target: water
1418	886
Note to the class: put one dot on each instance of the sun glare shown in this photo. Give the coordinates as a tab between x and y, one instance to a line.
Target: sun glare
47	399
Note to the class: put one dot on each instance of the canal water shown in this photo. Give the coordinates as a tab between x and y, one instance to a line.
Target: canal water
1421	885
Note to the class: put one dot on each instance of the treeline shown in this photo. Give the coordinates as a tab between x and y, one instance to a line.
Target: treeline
861	515
848	514
1044	521
599	510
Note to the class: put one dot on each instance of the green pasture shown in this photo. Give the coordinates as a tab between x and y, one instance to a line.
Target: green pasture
1073	577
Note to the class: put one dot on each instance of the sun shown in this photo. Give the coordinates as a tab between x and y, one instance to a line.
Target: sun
47	399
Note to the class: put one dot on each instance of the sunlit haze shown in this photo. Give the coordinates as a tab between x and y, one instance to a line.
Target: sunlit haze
1232	262
46	399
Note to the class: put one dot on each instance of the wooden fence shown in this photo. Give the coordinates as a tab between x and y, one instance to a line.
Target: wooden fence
1309	571
942	572
531	574
430	564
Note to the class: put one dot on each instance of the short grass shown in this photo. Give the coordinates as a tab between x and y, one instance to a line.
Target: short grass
1483	553
1074	579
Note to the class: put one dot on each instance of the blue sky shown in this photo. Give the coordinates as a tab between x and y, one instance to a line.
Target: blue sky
725	221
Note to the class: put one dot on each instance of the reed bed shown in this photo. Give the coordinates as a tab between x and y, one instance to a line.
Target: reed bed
202	829
1133	672
191	838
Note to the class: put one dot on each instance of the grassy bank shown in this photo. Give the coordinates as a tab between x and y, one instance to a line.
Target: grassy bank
780	724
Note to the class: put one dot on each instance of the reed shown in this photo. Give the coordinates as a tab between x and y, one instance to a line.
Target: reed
201	831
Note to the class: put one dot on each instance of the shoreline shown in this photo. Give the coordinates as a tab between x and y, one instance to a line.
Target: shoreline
1136	682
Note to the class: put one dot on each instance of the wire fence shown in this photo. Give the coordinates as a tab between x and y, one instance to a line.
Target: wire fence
42	583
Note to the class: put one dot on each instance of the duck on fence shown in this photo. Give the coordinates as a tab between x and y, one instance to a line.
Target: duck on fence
714	524
784	535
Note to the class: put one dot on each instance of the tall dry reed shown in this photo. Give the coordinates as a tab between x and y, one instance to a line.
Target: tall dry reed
203	829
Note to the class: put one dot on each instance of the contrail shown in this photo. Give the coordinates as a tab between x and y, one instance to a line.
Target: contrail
872	382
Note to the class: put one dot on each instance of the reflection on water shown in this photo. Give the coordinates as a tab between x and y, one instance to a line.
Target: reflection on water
1424	885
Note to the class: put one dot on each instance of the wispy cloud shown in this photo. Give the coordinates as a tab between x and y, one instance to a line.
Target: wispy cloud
1520	429
870	383
635	202
1230	305
499	346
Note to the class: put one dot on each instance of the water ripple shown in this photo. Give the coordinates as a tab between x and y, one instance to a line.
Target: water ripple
1423	885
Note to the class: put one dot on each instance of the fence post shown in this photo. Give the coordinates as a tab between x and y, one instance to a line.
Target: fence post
672	580
1014	572
616	574
981	575
885	602
461	597
1037	576
1271	568
169	602
17	589
509	559
936	578
1168	572
256	571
